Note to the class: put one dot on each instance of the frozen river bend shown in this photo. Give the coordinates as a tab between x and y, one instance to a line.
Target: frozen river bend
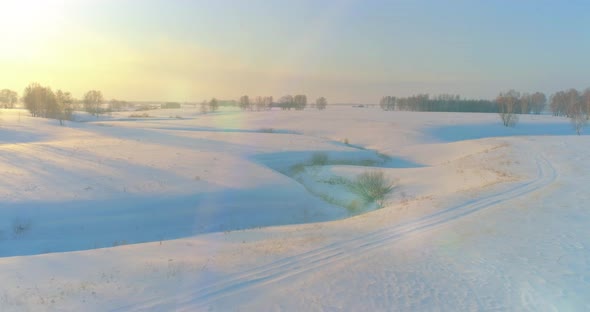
206	213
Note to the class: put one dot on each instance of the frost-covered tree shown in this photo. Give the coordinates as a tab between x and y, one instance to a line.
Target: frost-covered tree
586	101
538	102
579	119
286	102
267	102
204	107
507	106
32	98
37	99
213	105
321	103
245	102
300	101
93	99
260	103
65	102
42	102
525	103
573	103
576	109
558	103
8	98
117	105
387	103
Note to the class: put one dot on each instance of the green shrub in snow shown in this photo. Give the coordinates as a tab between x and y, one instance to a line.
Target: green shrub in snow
319	159
372	186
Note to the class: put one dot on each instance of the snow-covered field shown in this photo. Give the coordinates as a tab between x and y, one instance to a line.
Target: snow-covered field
224	212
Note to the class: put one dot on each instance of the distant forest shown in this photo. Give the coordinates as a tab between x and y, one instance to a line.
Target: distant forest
533	103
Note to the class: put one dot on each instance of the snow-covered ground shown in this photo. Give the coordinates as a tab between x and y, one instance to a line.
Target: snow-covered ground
225	212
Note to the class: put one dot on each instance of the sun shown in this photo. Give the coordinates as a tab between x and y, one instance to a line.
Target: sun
30	18
29	30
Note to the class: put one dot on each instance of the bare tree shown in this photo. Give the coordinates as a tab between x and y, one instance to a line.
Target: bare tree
300	101
42	102
53	109
573	103
204	107
576	110
538	102
321	103
387	103
92	102
65	102
525	103
579	119
32	98
286	102
507	104
586	101
8	98
245	102
268	101
213	105
558	103
117	105
35	97
260	103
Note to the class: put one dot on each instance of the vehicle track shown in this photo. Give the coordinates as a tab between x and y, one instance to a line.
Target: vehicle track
331	253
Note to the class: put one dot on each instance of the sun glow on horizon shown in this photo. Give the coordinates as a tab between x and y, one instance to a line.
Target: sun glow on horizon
347	51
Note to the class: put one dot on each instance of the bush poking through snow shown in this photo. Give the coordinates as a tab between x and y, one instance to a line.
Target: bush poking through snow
372	186
297	169
354	207
319	159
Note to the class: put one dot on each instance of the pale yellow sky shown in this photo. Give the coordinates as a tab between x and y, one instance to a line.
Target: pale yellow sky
345	50
50	42
53	52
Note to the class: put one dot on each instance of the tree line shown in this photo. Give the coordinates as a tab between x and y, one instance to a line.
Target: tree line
519	103
42	101
259	103
570	103
286	102
299	102
573	104
439	103
509	105
512	103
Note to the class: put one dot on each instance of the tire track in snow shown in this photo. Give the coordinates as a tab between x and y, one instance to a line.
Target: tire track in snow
331	253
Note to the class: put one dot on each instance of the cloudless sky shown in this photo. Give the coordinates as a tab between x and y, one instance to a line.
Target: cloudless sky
346	50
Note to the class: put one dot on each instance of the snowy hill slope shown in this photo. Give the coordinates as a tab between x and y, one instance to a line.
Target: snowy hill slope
204	213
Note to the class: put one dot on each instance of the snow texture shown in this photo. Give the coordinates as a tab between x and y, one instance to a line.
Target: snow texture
228	212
